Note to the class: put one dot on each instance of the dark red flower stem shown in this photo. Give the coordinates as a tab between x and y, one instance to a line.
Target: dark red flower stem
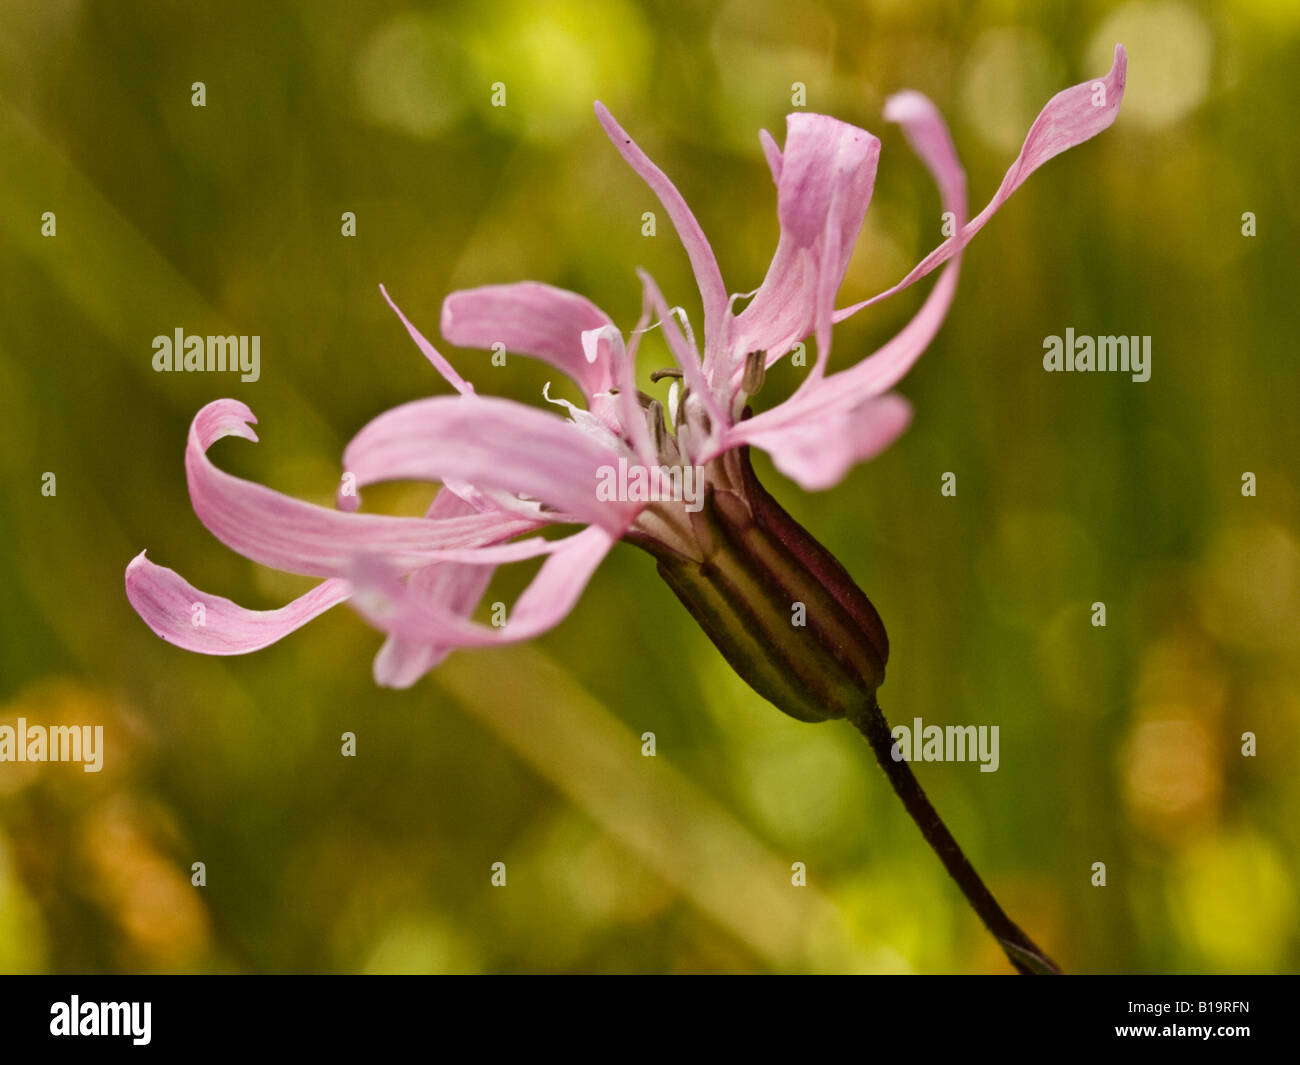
1027	957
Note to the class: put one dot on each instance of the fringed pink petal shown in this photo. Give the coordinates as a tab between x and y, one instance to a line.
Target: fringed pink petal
289	534
1071	117
490	443
802	434
825	178
401	611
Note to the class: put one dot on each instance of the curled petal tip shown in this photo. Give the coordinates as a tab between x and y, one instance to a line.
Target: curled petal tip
182	615
229	410
224	417
1119	68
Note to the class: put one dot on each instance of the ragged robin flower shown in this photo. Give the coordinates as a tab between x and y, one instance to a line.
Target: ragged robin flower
671	476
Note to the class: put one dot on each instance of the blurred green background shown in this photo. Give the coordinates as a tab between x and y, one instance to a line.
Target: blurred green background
1119	744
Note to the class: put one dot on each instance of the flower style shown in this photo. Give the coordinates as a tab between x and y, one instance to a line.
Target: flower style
507	470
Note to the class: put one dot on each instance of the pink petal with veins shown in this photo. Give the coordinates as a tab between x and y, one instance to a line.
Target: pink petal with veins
815	435
289	534
166	602
399	610
532	319
1071	117
817	454
825	178
459	588
491	443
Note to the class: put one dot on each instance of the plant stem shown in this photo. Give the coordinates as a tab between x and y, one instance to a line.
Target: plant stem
1027	957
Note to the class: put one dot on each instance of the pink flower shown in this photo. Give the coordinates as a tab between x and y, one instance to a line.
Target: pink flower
508	469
